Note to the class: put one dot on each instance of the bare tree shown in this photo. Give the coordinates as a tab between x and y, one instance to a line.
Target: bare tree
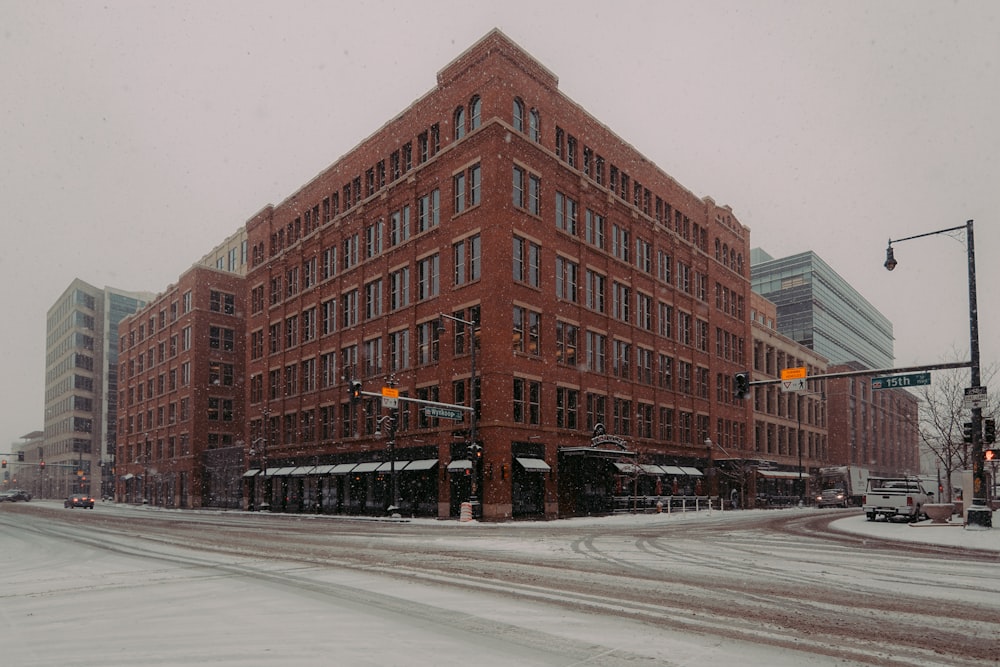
942	419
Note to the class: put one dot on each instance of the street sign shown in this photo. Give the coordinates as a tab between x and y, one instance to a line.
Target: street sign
975	397
793	373
390	392
390	402
793	385
443	413
898	381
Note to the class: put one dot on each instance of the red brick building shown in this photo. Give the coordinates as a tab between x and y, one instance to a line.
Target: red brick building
608	302
181	395
877	429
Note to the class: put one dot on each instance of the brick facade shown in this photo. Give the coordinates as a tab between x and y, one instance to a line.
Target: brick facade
181	394
605	293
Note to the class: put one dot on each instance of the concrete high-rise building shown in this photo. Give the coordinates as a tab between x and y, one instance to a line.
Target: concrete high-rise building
819	309
81	383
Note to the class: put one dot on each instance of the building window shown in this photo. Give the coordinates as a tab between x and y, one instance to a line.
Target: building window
567	406
534	126
459	118
427	342
373	299
308	324
399	350
349	308
517	196
373	239
566	215
620	301
567	279
220	374
527	401
596	352
373	357
429	211
220	302
458	185
517	118
527	325
291	331
399	288
527	257
595	291
308	375
665	320
621	363
466	260
567	336
219	338
475	112
665	372
328	316
596	410
594	231
428	275
399	226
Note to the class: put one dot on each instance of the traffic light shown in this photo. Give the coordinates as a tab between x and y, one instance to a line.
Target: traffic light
4	464
41	465
355	391
990	432
967	432
475	451
991	455
741	385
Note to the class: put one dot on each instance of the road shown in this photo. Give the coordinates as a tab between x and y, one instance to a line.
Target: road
767	588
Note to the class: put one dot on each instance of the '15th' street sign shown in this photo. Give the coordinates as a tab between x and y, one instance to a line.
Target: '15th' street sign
900	381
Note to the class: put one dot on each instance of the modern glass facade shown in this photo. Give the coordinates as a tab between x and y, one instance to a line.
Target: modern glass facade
819	309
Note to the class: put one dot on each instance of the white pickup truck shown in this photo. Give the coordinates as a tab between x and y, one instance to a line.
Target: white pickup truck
895	498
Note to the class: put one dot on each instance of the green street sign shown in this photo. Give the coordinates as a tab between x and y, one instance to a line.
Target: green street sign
901	381
443	413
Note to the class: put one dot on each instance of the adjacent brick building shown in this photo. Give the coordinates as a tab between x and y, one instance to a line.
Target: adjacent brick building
608	302
181	395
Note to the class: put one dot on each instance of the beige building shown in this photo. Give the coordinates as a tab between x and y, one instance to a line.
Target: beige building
789	427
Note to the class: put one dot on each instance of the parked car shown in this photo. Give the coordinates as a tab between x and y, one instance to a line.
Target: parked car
79	500
14	495
832	498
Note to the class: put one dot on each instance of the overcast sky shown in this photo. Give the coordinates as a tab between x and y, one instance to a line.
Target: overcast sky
135	136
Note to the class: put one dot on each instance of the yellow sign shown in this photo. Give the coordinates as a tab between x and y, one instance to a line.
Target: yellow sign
390	392
793	373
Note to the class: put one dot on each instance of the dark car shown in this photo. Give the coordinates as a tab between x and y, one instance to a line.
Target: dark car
832	498
14	495
79	500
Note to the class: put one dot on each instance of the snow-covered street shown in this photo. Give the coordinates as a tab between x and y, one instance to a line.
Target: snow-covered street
126	586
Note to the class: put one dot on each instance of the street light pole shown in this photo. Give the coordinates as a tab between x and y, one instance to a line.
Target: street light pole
473	432
979	514
389	423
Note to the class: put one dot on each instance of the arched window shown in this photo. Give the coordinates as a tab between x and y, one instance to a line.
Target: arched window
475	112
725	255
518	116
717	246
739	263
534	126
459	123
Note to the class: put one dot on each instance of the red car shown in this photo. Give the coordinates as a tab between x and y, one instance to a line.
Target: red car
79	500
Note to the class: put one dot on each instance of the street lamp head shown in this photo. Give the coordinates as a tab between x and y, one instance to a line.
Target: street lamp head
890	260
